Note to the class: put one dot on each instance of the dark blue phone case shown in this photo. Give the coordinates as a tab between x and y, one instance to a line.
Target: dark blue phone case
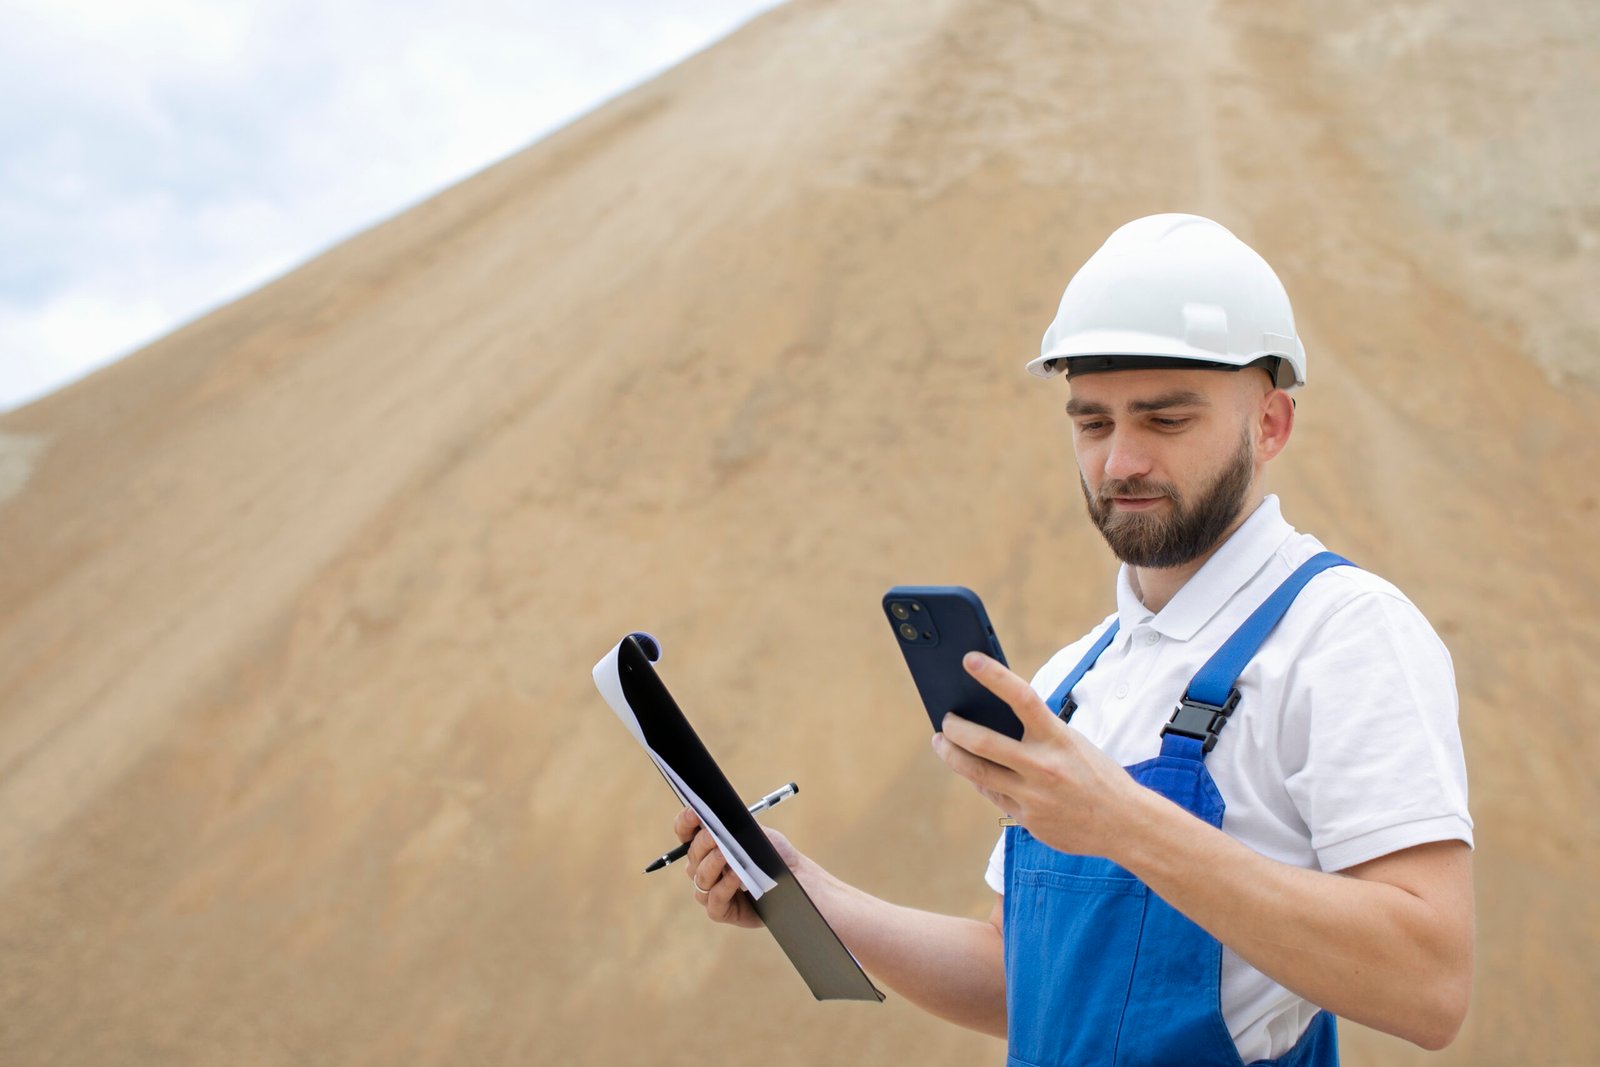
935	626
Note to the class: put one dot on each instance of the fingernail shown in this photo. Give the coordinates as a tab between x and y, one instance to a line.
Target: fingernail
974	661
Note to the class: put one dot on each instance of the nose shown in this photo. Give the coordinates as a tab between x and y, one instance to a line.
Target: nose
1126	458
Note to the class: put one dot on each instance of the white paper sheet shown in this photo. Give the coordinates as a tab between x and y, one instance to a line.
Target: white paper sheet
750	875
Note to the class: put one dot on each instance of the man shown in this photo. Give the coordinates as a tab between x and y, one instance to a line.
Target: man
1206	885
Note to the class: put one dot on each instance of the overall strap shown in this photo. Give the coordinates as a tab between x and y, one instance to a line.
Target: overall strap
1061	701
1212	695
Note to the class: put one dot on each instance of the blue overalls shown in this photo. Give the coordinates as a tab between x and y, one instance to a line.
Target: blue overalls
1100	971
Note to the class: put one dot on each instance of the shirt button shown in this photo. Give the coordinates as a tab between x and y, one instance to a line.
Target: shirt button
1151	638
1122	691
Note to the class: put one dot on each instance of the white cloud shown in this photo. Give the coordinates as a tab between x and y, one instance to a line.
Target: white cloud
164	157
75	323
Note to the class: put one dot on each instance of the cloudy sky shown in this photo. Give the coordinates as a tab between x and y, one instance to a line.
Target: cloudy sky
160	158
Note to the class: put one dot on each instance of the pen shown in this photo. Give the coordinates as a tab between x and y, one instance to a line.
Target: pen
755	809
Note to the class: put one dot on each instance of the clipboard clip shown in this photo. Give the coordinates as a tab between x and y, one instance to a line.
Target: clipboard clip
648	645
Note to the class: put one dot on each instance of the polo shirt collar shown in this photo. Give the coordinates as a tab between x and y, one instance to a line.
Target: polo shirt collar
1239	559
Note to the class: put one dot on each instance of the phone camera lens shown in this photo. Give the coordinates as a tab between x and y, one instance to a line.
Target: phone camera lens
899	611
908	631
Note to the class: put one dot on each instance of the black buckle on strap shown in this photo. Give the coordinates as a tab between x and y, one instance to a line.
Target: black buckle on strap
1201	721
1065	714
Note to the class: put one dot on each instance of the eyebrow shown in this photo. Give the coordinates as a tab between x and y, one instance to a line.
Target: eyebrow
1178	398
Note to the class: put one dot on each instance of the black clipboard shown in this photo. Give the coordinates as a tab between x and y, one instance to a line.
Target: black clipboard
828	968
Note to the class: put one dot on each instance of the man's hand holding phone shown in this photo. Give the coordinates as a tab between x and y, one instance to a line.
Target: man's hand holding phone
1052	780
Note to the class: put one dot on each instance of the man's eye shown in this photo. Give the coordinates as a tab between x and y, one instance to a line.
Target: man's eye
1172	424
1092	426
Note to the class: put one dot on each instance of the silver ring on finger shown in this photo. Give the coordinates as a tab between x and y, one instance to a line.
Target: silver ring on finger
700	887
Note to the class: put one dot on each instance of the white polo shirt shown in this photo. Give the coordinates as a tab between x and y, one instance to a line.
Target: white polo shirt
1344	746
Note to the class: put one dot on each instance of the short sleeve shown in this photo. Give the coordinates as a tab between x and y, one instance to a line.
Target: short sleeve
1372	746
995	876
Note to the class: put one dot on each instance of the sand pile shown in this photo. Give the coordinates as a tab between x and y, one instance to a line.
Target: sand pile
299	757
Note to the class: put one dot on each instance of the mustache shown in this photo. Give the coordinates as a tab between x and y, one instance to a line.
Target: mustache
1136	487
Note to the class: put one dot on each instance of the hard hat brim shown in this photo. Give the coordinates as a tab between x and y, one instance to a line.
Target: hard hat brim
1143	351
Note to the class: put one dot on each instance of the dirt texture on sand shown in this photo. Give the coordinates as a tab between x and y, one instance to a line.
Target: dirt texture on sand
300	760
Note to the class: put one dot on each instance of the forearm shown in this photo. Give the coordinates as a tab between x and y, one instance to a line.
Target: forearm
949	966
1367	950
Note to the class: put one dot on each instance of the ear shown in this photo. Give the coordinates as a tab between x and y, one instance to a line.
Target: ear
1274	423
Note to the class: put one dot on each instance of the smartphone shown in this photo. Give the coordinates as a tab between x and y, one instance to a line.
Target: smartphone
936	625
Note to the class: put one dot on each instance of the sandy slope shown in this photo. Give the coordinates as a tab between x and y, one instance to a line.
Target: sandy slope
299	757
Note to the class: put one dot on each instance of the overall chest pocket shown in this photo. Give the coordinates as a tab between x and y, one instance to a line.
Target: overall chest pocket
1072	929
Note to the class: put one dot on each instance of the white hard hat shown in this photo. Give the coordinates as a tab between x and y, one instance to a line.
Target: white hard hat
1173	290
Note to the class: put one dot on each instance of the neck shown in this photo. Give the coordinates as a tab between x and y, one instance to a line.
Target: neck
1156	586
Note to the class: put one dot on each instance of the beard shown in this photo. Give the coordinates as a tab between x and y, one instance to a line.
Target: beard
1189	529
